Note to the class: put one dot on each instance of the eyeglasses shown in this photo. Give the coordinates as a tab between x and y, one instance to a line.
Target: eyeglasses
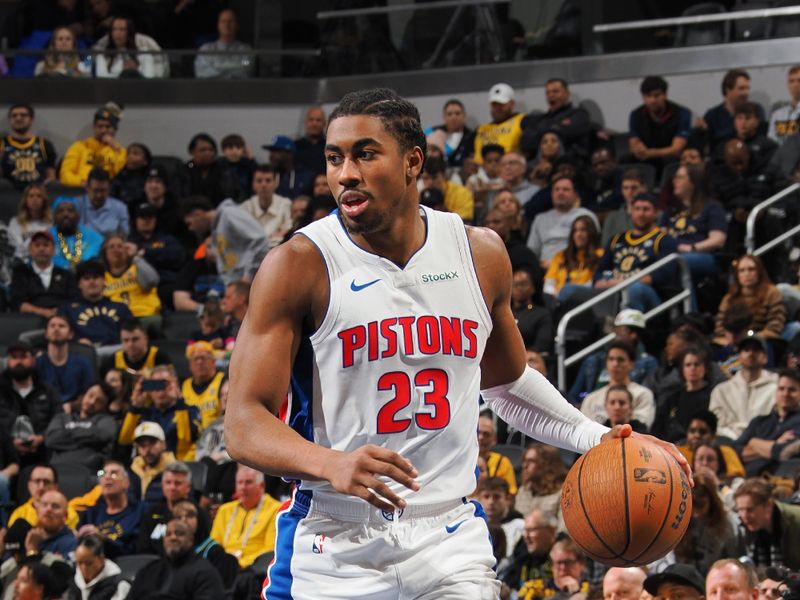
112	474
700	430
42	481
564	563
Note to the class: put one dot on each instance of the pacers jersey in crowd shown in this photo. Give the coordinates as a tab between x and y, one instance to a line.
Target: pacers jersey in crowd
125	288
395	361
26	162
631	254
207	400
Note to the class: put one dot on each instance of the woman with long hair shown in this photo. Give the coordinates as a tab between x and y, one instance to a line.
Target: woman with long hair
550	148
130	279
680	404
752	287
507	203
543	474
711	534
119	53
62	58
698	224
574	266
33	214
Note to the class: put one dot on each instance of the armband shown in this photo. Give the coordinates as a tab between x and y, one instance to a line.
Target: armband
532	405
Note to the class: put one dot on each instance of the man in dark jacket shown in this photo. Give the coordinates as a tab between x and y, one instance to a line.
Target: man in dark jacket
181	573
85	436
571	123
40	287
27	404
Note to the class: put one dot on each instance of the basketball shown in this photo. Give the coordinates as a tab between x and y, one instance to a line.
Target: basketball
626	502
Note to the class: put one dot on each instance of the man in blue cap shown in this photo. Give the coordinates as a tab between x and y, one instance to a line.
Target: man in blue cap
293	180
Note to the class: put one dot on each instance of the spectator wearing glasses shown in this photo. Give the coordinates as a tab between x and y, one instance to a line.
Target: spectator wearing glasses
113	518
569	567
25	157
531	567
43	478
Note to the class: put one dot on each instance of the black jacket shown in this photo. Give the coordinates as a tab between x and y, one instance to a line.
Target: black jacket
571	123
185	577
41	405
26	286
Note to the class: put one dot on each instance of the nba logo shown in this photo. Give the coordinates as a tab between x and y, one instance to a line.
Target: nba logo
319	539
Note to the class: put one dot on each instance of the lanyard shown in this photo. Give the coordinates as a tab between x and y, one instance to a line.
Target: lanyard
247	532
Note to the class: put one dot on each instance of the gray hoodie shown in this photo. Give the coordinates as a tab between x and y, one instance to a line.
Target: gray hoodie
239	242
109	570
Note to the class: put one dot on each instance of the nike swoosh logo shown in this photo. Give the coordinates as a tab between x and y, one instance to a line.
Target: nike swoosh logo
357	288
452	528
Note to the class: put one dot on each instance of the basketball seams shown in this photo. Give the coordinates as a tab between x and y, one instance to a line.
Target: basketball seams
627	503
589	521
669	506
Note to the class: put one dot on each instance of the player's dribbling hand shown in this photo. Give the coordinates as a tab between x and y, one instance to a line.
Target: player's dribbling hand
356	473
623	431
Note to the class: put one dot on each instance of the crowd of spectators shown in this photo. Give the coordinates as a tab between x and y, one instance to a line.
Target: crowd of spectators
110	248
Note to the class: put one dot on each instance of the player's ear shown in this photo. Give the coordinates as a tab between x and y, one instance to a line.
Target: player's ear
414	161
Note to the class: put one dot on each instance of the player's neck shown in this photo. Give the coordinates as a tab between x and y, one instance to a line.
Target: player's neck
398	244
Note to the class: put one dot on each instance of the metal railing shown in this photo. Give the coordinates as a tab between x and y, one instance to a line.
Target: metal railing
684	296
763	13
382	10
750	236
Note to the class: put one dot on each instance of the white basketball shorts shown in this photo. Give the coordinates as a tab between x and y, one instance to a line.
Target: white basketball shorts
340	549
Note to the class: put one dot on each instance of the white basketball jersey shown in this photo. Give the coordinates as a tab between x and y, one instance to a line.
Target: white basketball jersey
395	361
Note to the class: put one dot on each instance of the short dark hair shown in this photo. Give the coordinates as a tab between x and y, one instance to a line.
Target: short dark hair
634	174
792	374
191	203
232	140
132	325
749	109
653	83
93	543
493	484
557	80
242	287
201	137
489	148
58	316
455	101
267	168
90	267
434	166
44	576
558	176
625	347
620	387
729	81
45	466
98	174
24	105
758	489
399	116
707	417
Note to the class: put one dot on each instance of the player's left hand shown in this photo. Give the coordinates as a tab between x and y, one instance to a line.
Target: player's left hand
623	431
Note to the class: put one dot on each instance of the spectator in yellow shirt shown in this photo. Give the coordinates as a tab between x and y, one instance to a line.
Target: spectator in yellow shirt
497	465
43	479
574	267
245	527
505	128
457	198
100	150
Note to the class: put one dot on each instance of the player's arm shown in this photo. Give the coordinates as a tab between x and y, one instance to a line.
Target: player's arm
290	290
520	395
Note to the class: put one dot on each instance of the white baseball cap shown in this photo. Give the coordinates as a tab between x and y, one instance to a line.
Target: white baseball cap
149	429
630	317
502	93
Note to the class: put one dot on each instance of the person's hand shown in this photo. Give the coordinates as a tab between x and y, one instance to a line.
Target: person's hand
21	446
36	441
137	396
34	539
356	473
683	248
623	431
568	584
701	123
712	477
88	529
130	64
131	249
786	436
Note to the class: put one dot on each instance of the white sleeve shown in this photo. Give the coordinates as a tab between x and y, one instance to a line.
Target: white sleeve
532	405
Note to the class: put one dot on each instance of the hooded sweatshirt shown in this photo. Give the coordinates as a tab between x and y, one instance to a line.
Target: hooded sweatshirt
108	585
239	242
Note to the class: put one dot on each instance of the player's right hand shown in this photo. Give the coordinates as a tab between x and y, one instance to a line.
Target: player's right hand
356	473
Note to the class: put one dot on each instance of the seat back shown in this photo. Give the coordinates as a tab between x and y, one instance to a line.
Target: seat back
131	564
199	475
12	325
702	34
74	479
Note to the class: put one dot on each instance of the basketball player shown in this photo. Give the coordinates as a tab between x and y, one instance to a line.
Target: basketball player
384	321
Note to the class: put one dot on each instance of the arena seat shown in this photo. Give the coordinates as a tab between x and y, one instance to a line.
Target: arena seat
751	29
703	34
89	353
261	564
513	453
199	474
131	564
12	325
787	25
179	325
177	352
74	479
9	199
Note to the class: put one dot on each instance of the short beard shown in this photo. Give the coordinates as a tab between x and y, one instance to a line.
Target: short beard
373	225
59	343
67	229
19	373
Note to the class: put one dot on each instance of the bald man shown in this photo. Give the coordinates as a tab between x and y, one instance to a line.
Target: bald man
623	583
51	533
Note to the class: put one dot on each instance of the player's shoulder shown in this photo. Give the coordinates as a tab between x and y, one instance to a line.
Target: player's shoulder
485	243
298	254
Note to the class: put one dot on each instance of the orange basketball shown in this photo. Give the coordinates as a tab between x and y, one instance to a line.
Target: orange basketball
626	502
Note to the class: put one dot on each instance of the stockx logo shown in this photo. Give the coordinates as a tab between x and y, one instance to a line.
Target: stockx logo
435	277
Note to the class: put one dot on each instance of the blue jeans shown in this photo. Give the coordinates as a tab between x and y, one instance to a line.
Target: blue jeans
568	289
701	264
642	297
